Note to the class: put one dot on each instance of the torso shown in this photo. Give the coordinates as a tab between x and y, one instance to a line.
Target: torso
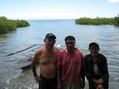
71	65
47	60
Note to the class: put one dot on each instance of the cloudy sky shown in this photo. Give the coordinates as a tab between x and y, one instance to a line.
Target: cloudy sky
58	9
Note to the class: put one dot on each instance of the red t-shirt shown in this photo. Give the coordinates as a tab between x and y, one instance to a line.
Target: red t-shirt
70	65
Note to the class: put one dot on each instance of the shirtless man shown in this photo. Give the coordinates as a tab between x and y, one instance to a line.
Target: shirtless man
47	57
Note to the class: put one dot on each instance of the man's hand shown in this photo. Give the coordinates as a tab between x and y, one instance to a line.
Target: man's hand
59	86
98	81
37	79
99	86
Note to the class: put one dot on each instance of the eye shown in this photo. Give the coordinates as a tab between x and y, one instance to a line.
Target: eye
51	40
70	43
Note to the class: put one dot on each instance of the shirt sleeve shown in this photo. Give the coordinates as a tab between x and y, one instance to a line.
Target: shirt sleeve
105	69
86	69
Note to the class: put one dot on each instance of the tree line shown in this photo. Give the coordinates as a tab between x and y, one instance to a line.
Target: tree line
7	25
98	21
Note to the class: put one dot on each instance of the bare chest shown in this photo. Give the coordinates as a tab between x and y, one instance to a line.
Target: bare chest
48	58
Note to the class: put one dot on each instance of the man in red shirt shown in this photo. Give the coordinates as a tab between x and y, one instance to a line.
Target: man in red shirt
69	65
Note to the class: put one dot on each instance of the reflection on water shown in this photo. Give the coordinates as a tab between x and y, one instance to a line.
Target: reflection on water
12	77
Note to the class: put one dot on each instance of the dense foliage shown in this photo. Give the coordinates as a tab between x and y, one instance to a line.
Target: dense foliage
116	20
7	25
98	21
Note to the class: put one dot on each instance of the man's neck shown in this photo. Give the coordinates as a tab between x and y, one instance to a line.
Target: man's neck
49	49
70	51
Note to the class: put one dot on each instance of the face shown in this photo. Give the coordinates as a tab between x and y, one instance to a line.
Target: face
94	50
49	42
70	44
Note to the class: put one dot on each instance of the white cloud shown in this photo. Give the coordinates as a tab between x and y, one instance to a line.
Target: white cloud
113	1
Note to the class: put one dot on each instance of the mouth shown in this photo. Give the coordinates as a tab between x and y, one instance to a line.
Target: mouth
94	54
50	45
70	48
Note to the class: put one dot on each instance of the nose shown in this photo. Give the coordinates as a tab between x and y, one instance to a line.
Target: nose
70	44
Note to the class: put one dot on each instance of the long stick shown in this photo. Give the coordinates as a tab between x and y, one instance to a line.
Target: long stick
21	50
27	55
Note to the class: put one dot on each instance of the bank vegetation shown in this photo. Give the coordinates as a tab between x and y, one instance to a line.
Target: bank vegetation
98	21
7	25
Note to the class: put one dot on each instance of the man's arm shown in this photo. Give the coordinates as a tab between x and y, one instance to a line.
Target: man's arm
87	72
82	74
59	72
59	79
33	65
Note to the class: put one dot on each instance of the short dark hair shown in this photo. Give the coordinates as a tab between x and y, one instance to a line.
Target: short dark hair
69	38
94	44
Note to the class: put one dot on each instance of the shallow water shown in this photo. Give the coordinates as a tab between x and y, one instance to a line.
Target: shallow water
12	77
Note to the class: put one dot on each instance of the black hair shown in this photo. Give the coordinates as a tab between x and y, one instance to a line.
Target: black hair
69	38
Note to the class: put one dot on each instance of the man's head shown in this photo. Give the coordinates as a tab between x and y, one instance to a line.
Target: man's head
69	38
50	40
50	35
70	43
94	48
94	44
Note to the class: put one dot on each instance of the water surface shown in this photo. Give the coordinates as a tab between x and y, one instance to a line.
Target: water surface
12	77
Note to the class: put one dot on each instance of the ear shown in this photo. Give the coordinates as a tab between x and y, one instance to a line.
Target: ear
44	40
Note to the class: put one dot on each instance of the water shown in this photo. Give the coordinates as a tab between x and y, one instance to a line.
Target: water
12	77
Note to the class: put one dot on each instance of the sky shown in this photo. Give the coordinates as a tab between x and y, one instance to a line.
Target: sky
58	9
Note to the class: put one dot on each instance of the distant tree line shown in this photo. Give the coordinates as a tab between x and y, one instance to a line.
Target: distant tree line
98	21
7	25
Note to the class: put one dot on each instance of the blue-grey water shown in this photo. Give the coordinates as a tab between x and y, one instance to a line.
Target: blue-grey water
12	77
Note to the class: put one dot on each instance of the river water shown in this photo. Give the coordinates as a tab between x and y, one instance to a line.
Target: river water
12	77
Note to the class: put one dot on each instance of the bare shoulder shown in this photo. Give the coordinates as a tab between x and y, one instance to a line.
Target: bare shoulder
57	49
38	53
